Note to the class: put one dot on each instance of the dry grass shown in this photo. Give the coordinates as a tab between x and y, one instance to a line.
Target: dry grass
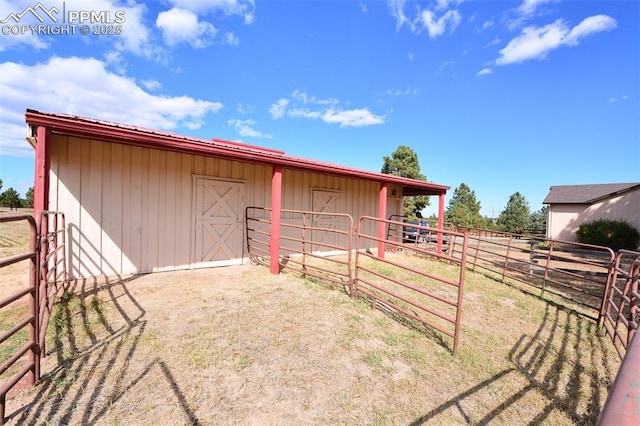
237	345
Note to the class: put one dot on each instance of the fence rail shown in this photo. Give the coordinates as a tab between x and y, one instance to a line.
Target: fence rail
573	274
402	287
30	347
306	242
53	269
620	313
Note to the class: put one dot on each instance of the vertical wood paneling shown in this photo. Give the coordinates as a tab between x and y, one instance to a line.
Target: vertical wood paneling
139	178
161	212
171	201
129	221
198	165
183	253
130	209
68	161
112	209
151	235
91	209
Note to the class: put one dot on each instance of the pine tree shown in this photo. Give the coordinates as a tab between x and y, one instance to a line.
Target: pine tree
404	162
516	217
464	209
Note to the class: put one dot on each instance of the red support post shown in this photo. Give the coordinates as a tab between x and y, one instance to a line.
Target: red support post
274	234
440	222
382	214
43	158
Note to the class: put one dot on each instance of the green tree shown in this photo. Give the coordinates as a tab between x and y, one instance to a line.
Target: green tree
539	221
0	183
10	198
464	209
28	200
404	162
516	217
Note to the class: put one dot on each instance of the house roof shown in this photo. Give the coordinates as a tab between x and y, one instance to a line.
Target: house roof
73	125
586	194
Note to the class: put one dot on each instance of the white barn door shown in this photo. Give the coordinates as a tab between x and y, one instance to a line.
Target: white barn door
219	209
324	202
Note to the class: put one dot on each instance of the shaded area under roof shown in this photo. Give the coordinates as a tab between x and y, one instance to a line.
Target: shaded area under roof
71	125
586	194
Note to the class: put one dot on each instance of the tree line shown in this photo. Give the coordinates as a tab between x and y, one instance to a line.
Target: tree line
463	209
12	199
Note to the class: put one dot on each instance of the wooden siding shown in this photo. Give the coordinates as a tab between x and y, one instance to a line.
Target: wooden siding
131	209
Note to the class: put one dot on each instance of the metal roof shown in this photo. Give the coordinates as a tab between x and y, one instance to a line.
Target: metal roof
586	194
72	125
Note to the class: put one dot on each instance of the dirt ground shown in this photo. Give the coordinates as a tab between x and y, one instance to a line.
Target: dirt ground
237	345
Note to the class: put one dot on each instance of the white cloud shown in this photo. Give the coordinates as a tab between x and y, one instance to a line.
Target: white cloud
435	21
614	99
536	43
278	109
487	24
485	71
230	39
244	128
352	118
244	108
244	8
405	92
84	87
444	4
437	26
396	8
151	84
529	6
411	57
303	105
182	26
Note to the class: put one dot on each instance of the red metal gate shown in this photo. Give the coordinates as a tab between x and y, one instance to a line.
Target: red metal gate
620	313
620	317
52	269
313	244
23	347
400	286
47	276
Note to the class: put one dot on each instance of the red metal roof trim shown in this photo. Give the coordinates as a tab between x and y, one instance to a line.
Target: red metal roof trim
132	135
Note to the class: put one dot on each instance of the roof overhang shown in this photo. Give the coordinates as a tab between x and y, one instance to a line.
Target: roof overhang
70	125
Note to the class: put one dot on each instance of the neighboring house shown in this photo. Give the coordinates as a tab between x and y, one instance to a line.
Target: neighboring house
572	205
139	200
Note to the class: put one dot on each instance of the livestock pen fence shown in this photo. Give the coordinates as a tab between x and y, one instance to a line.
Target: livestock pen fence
388	271
328	247
24	325
590	280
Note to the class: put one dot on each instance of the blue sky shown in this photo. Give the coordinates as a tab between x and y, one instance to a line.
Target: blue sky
504	96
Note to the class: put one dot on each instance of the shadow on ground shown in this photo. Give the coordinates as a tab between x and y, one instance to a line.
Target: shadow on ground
560	363
98	353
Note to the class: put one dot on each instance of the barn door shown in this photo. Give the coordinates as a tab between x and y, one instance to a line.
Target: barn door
324	202
218	222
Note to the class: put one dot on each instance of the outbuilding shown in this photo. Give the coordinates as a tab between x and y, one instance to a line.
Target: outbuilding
138	200
572	205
